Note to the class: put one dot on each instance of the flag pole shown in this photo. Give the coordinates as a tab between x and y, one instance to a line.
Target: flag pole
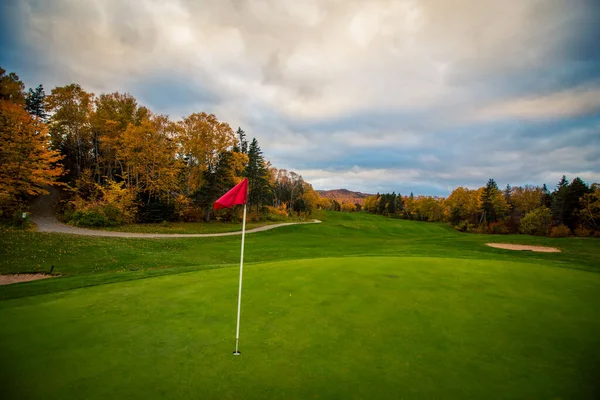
237	329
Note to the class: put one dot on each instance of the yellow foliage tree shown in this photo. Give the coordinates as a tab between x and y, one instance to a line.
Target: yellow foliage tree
26	162
149	151
203	138
348	207
70	125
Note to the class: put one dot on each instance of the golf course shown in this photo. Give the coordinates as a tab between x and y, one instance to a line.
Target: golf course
359	306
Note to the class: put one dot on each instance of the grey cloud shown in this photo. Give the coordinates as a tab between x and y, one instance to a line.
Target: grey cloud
436	94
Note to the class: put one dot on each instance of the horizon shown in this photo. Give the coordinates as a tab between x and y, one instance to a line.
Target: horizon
378	97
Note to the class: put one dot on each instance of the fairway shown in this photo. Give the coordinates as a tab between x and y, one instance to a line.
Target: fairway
361	327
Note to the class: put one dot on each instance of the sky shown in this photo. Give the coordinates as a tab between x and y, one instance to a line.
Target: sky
373	96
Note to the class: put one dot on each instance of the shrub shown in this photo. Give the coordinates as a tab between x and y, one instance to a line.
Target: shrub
191	214
464	226
348	207
560	231
274	213
498	228
98	206
536	222
91	217
582	231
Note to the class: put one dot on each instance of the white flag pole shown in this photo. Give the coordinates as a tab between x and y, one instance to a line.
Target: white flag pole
237	329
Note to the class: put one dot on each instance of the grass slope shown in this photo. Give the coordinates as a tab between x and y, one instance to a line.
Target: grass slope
192	227
368	327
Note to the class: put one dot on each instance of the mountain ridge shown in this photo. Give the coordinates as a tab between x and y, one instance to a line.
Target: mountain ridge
344	195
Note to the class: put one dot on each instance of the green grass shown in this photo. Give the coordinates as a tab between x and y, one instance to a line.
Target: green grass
191	227
357	307
391	327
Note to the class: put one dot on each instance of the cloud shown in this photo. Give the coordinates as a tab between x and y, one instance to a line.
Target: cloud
433	93
568	103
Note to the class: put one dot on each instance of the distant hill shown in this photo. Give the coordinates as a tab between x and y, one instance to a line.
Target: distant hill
344	195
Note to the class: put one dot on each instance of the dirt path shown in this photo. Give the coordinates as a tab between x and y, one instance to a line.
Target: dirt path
42	214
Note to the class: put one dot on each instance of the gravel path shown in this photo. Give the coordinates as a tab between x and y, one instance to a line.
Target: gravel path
43	216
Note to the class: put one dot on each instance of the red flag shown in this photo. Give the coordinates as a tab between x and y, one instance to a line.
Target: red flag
237	195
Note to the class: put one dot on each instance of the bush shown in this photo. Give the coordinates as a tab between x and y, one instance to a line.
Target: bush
274	213
582	231
536	222
498	228
560	231
97	206
464	226
92	217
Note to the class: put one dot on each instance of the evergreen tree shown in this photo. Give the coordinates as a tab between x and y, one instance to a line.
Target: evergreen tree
487	205
558	201
547	197
576	190
217	181
258	176
392	208
382	204
242	145
34	103
507	194
399	203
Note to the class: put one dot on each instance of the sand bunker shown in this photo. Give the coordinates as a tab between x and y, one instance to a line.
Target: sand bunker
507	246
16	278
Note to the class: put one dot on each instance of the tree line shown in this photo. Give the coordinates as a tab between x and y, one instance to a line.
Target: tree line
119	162
571	208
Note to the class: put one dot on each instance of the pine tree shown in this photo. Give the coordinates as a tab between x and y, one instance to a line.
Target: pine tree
382	203
258	176
487	201
392	208
547	197
242	145
576	190
558	201
34	103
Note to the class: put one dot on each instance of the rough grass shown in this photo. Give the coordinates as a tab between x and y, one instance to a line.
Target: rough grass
191	227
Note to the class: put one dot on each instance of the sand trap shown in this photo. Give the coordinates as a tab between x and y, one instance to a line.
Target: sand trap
16	278
521	247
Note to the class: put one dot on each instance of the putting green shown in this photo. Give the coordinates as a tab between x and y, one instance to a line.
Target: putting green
378	327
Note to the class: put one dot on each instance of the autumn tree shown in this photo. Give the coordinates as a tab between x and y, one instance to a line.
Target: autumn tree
71	108
370	204
589	210
537	221
461	205
203	140
11	88
348	207
149	153
526	199
310	196
27	164
113	114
